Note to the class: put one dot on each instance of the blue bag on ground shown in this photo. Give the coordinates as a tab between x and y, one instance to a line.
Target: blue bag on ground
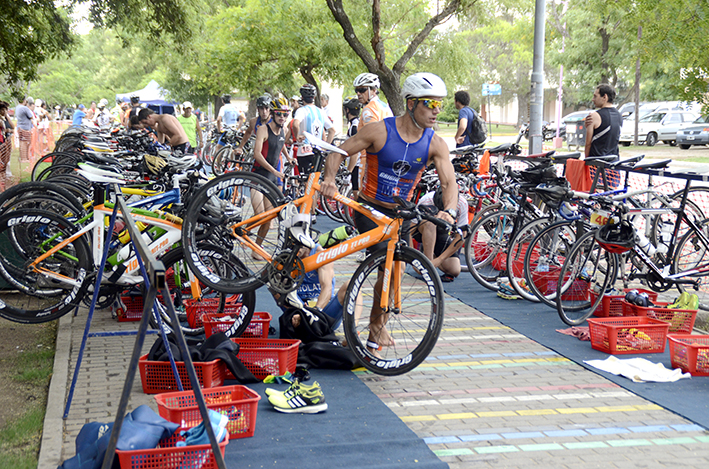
142	429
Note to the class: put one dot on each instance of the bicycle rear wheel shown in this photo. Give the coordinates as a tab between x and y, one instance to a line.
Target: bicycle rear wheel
33	297
220	214
587	269
486	247
411	328
545	256
517	250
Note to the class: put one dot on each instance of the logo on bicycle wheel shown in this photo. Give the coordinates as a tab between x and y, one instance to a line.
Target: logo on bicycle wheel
401	167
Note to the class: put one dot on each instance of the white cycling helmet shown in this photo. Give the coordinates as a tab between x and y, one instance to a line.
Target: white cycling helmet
366	79
103	103
420	85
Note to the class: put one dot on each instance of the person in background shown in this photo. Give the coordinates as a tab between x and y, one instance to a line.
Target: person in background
294	104
438	244
43	118
325	104
167	127
264	115
117	111
24	113
91	112
190	124
78	117
603	125
228	117
466	115
102	116
57	112
5	143
312	119
132	111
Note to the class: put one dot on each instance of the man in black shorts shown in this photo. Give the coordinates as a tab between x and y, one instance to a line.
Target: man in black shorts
398	149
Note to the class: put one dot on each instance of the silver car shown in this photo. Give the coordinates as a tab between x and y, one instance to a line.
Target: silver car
695	134
651	128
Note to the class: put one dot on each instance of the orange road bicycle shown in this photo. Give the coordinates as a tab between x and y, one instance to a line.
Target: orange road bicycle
398	285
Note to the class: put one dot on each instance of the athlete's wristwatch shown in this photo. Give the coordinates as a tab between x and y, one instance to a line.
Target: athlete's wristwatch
452	212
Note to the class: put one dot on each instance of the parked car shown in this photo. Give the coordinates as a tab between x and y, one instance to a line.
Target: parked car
628	109
575	129
650	127
697	133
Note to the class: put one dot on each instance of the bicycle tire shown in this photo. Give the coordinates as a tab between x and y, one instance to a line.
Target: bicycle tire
516	252
330	207
587	268
486	247
693	252
217	206
225	161
55	170
27	190
24	235
177	277
415	328
545	256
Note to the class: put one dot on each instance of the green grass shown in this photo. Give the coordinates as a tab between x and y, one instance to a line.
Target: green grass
20	438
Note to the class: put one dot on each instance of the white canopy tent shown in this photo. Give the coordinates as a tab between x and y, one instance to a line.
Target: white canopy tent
154	96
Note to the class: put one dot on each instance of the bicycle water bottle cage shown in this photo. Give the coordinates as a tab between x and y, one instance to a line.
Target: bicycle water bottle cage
297	224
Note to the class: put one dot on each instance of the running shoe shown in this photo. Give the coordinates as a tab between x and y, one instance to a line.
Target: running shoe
506	292
291	391
302	402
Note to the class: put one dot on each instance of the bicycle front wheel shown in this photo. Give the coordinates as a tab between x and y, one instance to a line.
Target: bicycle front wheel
57	284
224	213
693	253
589	270
409	330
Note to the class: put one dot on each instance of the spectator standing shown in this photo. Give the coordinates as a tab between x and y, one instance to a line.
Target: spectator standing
102	117
25	116
466	116
57	112
325	104
5	143
228	116
133	111
43	118
117	111
78	117
190	124
603	125
91	112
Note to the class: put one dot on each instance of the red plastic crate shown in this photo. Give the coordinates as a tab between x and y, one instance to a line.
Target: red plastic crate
157	377
239	403
578	291
619	336
690	352
133	310
169	456
196	308
612	305
482	251
265	357
680	320
258	327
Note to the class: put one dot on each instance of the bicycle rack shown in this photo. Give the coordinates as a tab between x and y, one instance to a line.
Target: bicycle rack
153	272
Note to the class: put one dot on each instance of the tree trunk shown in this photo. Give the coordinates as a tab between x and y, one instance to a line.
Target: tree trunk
388	77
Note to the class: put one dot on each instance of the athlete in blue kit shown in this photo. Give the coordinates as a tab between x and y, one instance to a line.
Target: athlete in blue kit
398	149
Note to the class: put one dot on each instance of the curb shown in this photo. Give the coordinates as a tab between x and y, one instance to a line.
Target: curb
50	451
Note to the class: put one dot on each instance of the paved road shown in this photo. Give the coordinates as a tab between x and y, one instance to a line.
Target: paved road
487	397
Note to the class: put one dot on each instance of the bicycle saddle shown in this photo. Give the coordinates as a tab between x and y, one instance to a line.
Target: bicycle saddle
100	169
654	165
464	150
102	159
500	148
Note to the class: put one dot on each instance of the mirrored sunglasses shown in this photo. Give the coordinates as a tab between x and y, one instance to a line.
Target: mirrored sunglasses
431	103
280	113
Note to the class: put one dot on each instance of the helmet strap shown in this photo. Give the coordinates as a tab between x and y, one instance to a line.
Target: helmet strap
411	113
